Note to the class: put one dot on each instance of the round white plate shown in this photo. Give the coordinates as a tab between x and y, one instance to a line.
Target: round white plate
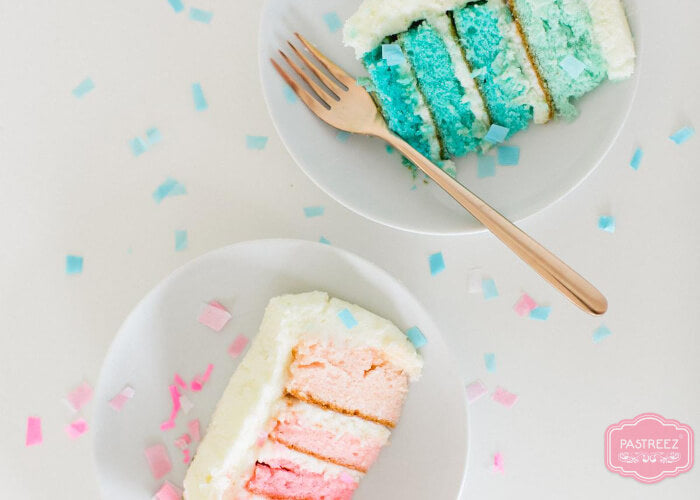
360	174
428	452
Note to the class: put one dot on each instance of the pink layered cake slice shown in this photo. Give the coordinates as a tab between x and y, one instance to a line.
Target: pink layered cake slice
306	413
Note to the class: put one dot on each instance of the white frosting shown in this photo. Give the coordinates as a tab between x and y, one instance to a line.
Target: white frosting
612	32
227	454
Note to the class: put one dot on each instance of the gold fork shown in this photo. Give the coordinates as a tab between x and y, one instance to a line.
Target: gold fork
345	105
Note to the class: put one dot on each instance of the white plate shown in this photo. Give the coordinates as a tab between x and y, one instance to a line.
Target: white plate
361	175
428	453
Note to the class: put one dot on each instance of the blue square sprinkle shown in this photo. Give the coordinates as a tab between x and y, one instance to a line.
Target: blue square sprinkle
683	135
343	136
541	313
437	263
200	103
601	332
176	5
389	149
488	287
180	240
347	318
83	88
572	66
74	264
508	156
416	337
490	362
324	240
637	159
606	223
257	142
414	187
333	21
169	187
314	211
497	134
138	146
289	94
201	16
485	166
153	136
392	54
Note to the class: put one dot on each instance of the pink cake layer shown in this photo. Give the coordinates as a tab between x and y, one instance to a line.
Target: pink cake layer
356	381
286	480
355	451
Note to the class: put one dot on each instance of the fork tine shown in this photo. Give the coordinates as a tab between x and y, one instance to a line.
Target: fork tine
328	82
322	94
332	68
307	98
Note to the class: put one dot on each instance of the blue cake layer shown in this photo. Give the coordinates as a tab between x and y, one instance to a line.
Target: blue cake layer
495	66
451	111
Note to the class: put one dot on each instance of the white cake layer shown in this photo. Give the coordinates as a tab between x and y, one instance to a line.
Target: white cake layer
272	452
612	32
226	456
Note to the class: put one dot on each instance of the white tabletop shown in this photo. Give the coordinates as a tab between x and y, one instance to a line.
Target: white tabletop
70	185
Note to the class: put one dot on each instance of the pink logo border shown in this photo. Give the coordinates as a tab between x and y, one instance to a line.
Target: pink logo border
662	475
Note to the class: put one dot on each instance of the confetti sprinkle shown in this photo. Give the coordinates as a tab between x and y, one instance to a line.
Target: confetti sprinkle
193	428
601	333
313	211
200	103
200	15
199	381
83	88
153	136
158	460
238	346
504	397
508	156
474	278
169	187
392	54
488	288
416	337
186	457
76	428
138	146
606	223
175	398
79	396
485	166
347	318
498	463
475	391
74	264
324	240
637	159
167	491
185	404
572	66
490	362
437	263
332	21
414	187
256	142
180	240
389	149
682	135
33	436
343	136
213	316
179	381
289	94
183	441
176	5
524	305
496	134
118	401
541	313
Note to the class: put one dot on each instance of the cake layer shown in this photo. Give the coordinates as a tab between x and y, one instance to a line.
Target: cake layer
356	381
612	32
281	473
428	55
557	31
344	440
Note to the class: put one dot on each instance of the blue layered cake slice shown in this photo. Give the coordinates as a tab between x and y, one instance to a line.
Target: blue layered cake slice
444	71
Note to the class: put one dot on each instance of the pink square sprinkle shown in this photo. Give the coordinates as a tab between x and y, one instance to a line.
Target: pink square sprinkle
118	401
168	492
182	442
186	456
498	463
475	391
524	305
507	399
158	460
215	316
76	428
193	427
238	346
33	431
79	396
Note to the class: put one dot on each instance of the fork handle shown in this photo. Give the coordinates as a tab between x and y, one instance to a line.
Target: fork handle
547	265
